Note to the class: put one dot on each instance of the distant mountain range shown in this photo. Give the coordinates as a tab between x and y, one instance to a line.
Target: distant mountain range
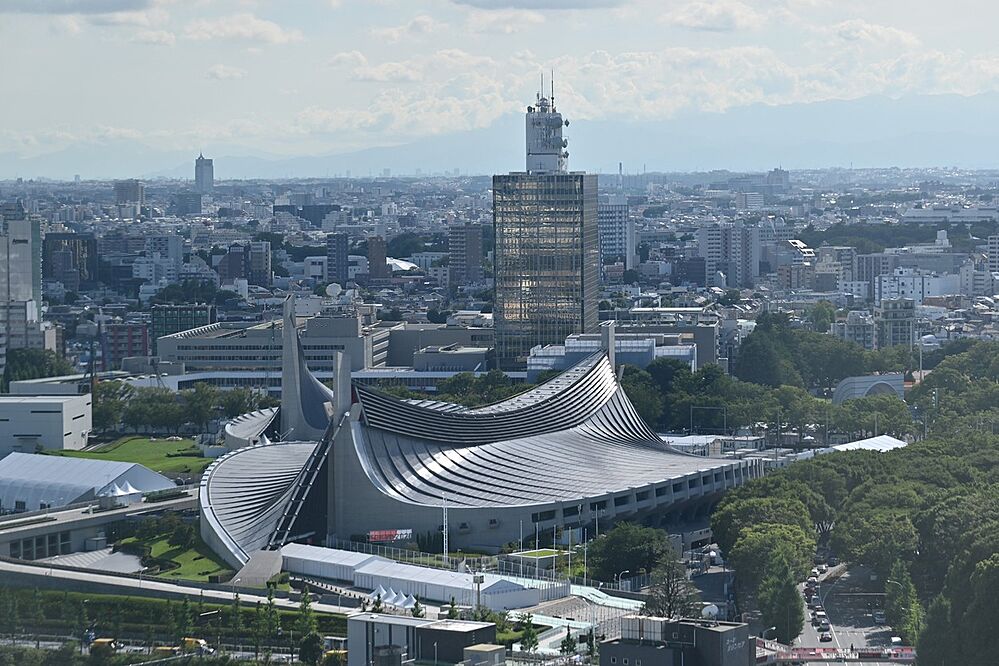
913	131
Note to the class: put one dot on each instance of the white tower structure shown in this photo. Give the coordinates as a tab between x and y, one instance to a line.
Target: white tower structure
545	145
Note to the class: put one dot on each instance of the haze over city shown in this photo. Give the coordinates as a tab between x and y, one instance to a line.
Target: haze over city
132	87
499	332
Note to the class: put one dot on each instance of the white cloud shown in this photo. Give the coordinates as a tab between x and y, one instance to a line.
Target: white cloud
155	37
716	16
245	27
348	59
421	25
72	6
66	25
861	32
143	19
503	21
540	4
225	72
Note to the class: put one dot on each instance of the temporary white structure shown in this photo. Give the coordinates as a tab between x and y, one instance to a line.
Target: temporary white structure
28	480
370	572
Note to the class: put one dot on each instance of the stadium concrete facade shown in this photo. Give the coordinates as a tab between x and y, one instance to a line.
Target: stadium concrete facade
572	452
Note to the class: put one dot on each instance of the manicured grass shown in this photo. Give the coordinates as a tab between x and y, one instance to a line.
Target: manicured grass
541	552
196	563
176	458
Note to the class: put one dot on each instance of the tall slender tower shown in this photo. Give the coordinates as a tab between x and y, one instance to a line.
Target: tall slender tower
547	245
204	175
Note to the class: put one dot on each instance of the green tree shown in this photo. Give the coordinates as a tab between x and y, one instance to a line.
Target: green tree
183	615
183	536
780	604
982	616
310	650
643	394
33	364
671	595
452	610
734	514
417	610
762	547
939	641
272	620
529	634
200	403
258	627
307	623
235	619
627	546
109	401
568	644
821	316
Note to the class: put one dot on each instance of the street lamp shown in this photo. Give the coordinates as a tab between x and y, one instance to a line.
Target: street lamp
773	629
617	578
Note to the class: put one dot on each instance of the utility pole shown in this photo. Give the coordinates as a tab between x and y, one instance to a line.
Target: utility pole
444	508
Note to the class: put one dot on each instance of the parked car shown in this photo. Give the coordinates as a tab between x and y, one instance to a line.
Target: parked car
814	572
824	625
833	560
825	637
823	568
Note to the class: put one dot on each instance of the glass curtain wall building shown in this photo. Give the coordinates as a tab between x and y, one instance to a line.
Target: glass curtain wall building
547	261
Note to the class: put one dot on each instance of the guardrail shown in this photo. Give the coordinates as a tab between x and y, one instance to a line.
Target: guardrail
8	517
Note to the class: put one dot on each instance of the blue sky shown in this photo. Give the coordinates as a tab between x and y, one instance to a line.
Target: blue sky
302	77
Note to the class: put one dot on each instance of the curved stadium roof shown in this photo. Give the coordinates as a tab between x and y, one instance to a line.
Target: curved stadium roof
578	436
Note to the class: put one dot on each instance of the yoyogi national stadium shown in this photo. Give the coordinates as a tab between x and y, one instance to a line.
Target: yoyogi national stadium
572	452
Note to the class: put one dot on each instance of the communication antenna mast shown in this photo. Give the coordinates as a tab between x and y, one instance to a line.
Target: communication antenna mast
553	91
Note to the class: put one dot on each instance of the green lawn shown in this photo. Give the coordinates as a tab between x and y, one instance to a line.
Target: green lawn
541	552
196	563
176	458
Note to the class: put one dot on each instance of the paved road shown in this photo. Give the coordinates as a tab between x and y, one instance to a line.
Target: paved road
49	577
849	597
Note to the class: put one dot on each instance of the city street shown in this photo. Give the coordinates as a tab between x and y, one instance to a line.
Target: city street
849	597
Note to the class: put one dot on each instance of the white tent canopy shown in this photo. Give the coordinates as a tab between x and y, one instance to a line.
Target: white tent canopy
54	481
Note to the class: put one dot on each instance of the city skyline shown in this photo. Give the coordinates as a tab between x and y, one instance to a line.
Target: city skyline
319	78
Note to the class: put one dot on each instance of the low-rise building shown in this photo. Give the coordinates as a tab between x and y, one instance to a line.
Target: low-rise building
651	641
32	423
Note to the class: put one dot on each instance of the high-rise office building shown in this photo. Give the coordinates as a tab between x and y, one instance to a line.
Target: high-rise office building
204	175
464	244
21	284
896	322
377	255
732	249
167	319
121	340
617	230
547	246
83	250
129	191
337	257
259	265
188	203
22	255
169	247
993	254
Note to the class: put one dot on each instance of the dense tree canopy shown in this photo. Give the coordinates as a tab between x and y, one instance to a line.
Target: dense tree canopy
33	364
627	546
925	517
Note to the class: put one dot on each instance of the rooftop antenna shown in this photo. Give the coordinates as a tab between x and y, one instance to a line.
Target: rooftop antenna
553	91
